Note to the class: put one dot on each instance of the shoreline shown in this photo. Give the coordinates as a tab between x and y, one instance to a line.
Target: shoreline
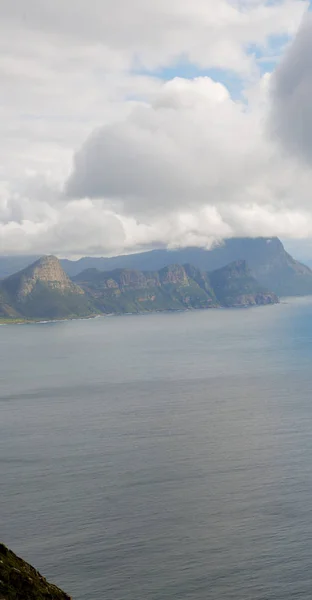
35	321
21	321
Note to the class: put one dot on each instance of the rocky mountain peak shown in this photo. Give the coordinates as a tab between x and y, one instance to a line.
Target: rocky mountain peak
48	271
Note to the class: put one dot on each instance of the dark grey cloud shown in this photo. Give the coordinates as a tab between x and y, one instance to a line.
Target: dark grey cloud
291	115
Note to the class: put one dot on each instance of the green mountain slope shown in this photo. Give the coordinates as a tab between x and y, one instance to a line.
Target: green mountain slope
122	290
174	287
20	581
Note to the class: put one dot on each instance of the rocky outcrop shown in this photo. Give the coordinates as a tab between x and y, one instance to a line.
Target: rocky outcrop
20	581
175	274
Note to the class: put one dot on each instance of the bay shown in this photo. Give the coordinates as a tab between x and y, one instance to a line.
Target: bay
161	456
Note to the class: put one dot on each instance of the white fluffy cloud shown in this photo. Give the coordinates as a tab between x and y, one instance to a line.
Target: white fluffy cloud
193	151
100	154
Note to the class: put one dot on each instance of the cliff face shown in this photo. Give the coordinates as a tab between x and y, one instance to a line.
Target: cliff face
175	274
20	581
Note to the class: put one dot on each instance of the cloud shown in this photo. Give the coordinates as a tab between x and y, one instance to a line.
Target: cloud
291	116
191	147
187	166
178	162
156	33
167	152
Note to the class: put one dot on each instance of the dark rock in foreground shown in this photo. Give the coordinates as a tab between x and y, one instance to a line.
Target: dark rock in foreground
20	581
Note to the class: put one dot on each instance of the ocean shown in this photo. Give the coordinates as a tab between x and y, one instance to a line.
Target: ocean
161	456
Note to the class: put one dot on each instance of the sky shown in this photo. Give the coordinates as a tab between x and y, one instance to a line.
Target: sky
134	125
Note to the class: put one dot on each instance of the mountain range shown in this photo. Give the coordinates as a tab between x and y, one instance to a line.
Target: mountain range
267	259
44	291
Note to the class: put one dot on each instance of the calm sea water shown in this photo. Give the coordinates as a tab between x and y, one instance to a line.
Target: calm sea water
162	457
